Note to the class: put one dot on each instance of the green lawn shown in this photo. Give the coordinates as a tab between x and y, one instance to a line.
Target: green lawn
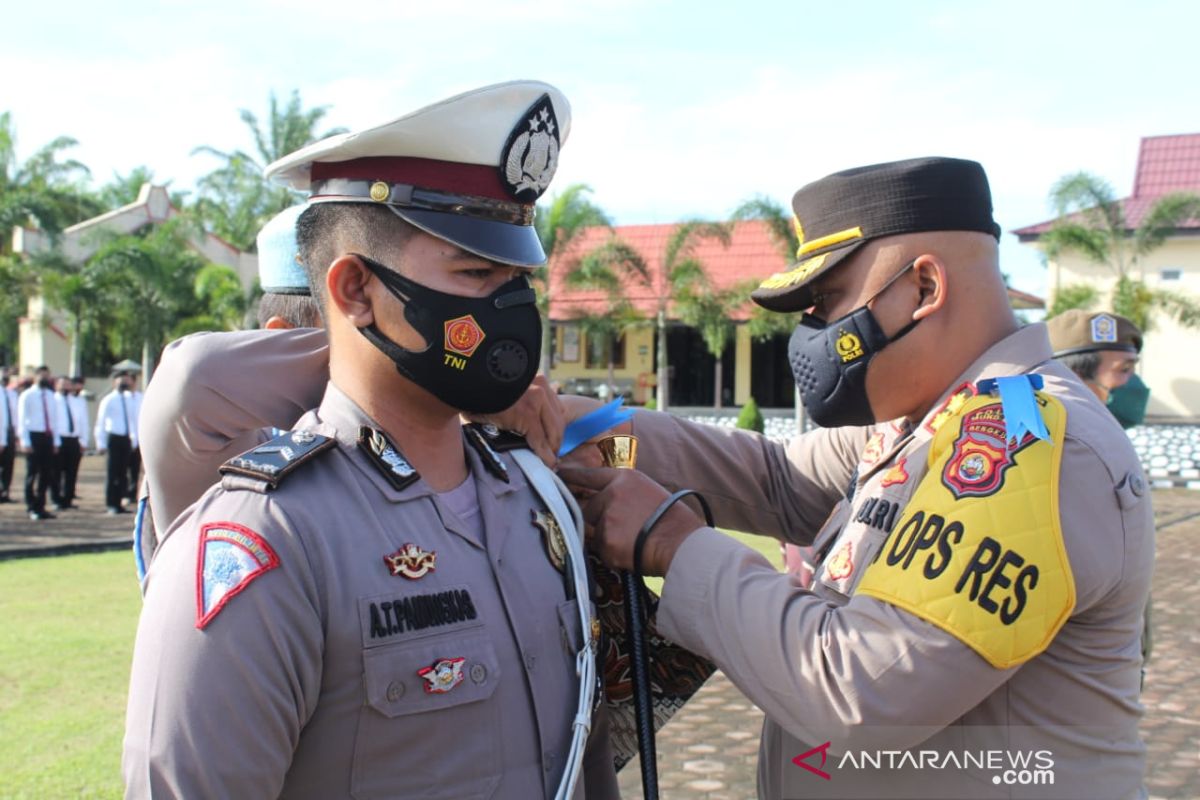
66	639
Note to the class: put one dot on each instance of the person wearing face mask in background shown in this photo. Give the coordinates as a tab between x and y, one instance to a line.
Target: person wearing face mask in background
373	595
39	436
116	437
982	526
1102	349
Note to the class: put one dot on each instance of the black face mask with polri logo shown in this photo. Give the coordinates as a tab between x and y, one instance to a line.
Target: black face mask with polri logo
489	345
829	362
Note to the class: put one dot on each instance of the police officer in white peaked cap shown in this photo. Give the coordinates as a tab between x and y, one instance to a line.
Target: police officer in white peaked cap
375	604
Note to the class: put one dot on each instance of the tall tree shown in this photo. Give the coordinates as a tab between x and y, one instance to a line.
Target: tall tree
150	282
47	192
709	310
234	199
1091	221
558	224
603	269
681	270
781	225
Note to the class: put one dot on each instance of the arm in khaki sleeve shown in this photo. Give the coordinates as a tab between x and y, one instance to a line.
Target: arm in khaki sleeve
753	483
218	712
211	396
864	676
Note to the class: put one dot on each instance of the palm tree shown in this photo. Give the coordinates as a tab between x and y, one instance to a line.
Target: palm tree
708	310
46	191
765	324
235	200
558	224
149	280
1091	221
607	268
77	290
681	270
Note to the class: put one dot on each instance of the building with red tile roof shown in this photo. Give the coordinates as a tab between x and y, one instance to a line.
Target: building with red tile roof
1166	165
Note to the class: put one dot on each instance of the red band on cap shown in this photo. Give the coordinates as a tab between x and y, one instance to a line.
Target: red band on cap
444	176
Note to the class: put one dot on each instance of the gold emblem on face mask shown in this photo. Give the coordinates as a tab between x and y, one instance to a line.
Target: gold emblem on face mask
848	346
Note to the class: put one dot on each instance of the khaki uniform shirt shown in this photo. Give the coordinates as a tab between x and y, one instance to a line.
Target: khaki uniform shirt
308	681
216	395
830	665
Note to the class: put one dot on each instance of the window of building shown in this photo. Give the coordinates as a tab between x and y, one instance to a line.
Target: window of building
598	347
1171	274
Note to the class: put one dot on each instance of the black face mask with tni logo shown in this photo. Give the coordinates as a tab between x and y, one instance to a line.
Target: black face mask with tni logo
489	345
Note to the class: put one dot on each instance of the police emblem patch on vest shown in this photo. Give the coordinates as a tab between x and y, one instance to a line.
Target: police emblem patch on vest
978	550
981	454
231	557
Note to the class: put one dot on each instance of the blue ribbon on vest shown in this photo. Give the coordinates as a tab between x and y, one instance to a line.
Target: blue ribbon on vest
594	423
1019	405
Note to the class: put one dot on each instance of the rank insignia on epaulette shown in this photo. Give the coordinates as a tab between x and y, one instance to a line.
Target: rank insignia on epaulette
273	460
491	459
386	458
553	538
501	440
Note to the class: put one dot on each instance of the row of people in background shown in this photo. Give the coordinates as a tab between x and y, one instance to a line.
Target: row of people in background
47	420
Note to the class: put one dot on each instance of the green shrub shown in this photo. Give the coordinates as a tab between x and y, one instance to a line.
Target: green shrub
750	419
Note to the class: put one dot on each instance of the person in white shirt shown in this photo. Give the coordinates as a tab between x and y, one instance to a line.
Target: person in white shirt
73	426
37	428
116	434
134	465
8	431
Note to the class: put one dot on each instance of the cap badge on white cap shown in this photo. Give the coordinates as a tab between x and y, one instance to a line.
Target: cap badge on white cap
530	156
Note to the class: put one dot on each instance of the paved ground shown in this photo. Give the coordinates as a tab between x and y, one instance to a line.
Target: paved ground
710	749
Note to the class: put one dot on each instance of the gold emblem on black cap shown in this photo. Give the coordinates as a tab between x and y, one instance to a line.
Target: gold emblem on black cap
380	191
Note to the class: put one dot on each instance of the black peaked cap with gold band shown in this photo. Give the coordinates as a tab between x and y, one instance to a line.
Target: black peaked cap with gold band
468	170
839	213
1079	331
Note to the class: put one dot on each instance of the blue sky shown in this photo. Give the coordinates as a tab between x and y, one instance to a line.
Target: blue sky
680	109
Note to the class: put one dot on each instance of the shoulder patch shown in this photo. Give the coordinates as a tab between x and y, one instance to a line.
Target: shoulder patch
230	558
487	452
387	458
272	461
979	550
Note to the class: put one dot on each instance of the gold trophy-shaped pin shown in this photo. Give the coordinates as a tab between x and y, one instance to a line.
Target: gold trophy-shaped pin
619	451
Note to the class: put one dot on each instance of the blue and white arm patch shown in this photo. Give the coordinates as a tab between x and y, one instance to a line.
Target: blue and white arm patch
230	558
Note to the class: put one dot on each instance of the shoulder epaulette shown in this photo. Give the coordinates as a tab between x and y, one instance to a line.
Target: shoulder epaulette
275	459
386	457
500	440
484	438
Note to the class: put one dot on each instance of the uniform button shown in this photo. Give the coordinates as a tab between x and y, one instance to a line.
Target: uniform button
478	673
1137	486
530	661
395	691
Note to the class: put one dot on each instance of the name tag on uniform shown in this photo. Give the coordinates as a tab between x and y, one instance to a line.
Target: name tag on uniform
399	616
